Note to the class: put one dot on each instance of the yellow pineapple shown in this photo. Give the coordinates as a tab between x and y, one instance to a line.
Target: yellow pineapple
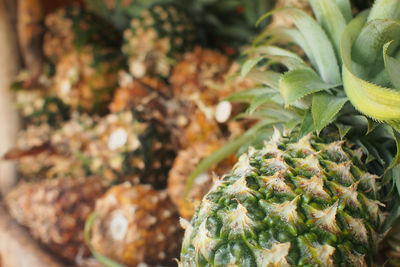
136	225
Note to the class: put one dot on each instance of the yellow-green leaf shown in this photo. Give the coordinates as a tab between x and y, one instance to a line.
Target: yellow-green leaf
374	101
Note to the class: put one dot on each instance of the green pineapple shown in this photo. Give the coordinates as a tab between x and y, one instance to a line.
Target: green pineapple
156	37
320	193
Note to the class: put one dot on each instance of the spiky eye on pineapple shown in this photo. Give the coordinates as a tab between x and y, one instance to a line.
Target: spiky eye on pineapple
311	199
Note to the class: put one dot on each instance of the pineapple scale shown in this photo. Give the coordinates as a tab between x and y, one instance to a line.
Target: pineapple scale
291	203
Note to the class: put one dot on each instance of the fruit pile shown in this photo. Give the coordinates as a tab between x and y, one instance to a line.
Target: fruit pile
165	130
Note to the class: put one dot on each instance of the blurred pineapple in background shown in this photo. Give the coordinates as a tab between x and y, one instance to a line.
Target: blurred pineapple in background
84	51
201	80
116	147
55	211
37	104
184	164
156	38
86	79
137	225
147	95
71	28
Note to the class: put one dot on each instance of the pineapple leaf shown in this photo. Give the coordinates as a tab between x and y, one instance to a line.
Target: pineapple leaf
343	129
396	159
249	65
316	39
87	233
374	101
250	95
331	19
385	9
283	56
280	34
324	109
269	78
307	125
368	45
296	84
260	100
345	7
392	66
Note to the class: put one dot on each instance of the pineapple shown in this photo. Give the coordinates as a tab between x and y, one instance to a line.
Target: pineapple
85	58
155	38
85	79
71	28
116	147
184	164
55	211
136	225
201	81
36	104
312	195
148	95
119	12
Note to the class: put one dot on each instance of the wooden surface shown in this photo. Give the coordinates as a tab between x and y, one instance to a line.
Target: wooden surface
8	115
18	249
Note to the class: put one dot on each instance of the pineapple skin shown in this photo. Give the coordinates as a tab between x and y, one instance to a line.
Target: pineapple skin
305	203
71	28
184	164
161	32
55	211
137	225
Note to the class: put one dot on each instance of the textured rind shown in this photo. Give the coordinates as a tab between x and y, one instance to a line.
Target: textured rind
116	147
185	162
55	211
149	221
302	203
71	28
161	32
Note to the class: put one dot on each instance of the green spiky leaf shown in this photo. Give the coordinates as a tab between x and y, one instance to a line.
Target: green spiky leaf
324	109
296	84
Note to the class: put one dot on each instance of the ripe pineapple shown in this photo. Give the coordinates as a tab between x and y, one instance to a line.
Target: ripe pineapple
136	225
184	163
148	95
55	211
86	78
116	147
201	80
71	28
312	195
154	40
36	104
84	52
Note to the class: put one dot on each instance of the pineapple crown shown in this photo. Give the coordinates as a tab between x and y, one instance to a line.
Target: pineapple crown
333	75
